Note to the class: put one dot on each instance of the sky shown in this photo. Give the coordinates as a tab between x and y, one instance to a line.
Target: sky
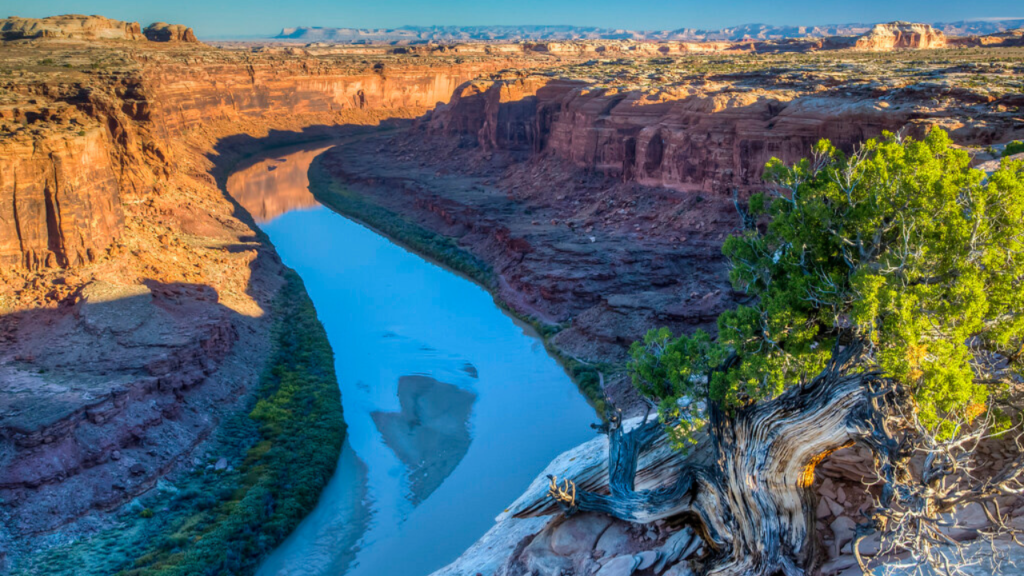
222	18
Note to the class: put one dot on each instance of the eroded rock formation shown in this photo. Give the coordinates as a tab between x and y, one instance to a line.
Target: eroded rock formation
901	35
164	32
69	26
62	198
712	137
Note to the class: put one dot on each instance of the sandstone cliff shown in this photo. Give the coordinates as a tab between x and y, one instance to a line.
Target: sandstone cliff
712	137
901	35
69	26
164	32
64	203
70	159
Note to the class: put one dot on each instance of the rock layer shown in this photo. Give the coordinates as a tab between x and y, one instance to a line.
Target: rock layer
164	32
62	200
69	26
901	35
714	137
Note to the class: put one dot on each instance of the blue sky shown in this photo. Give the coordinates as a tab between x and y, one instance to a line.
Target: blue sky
211	18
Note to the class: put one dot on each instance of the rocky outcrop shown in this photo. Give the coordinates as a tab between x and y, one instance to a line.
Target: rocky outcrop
164	32
83	416
901	35
62	196
69	26
710	137
1007	39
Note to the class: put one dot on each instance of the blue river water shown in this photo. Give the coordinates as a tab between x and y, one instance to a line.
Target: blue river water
452	406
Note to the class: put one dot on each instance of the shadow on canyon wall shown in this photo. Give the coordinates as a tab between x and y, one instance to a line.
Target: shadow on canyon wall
240	151
93	403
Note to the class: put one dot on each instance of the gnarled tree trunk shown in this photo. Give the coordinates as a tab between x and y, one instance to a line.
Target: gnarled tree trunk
753	502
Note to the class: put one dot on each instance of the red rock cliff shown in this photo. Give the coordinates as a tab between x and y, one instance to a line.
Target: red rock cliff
62	202
60	188
710	137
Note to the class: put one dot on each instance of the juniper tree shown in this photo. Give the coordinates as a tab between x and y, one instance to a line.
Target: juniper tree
887	295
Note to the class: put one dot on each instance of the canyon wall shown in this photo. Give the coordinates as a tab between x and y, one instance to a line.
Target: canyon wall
188	93
62	202
60	190
135	304
713	137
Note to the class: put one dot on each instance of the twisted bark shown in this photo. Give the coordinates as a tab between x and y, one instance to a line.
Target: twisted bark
752	503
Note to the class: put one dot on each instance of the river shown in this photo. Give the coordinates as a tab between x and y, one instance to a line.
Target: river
452	406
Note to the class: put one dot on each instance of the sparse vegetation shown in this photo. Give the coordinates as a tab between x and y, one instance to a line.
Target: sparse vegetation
282	452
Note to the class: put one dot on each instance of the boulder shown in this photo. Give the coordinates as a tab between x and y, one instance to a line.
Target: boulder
843	529
578	533
646	559
614	541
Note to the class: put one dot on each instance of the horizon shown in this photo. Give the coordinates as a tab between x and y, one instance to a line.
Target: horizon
263	18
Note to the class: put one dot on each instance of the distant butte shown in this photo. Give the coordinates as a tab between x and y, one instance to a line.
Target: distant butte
79	27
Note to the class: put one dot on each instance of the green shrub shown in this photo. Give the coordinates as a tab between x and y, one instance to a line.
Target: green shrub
284	449
299	433
1015	147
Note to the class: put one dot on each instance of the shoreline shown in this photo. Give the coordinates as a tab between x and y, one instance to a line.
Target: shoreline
587	377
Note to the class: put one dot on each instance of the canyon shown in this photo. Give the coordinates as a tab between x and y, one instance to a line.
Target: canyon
601	206
137	301
589	185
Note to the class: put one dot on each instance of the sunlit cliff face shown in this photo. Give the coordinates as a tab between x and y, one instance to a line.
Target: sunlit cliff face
274	186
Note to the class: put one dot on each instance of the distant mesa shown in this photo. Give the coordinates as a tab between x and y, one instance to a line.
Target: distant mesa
80	27
901	35
69	26
164	32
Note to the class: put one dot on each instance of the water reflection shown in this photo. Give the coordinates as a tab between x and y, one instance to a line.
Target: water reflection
452	407
275	186
430	435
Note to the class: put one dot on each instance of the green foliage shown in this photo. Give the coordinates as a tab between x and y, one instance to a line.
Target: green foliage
1015	147
902	245
299	435
283	451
